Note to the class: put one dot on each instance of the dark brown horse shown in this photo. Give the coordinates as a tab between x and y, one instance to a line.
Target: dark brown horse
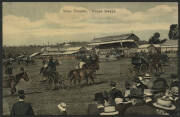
87	71
12	81
57	80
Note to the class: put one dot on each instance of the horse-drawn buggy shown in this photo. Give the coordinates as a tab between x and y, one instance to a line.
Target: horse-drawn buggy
152	63
139	64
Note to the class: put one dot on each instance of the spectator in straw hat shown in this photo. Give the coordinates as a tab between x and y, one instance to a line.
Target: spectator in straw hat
164	106
121	104
109	110
21	107
172	92
98	106
159	87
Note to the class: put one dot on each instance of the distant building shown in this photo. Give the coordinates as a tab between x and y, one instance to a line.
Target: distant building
129	36
110	45
146	48
170	46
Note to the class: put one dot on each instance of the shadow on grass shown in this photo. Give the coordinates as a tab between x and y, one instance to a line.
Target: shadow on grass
96	83
14	95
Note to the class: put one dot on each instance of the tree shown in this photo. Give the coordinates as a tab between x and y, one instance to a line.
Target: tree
173	32
155	38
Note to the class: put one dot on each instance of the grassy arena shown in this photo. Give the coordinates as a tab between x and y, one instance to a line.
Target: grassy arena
45	102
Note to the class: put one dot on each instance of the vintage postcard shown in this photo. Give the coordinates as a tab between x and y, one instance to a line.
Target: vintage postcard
90	58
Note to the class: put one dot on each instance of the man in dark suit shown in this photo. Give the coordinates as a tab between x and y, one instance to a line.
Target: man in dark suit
98	106
21	107
114	93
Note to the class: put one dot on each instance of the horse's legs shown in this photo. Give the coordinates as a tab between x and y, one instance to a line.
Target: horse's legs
87	79
92	78
13	88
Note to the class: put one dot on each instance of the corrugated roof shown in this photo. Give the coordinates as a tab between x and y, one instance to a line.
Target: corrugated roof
100	43
170	43
34	54
51	53
113	38
73	48
69	52
147	45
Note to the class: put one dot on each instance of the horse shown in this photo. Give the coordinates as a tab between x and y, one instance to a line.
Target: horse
156	65
86	72
56	79
53	77
12	81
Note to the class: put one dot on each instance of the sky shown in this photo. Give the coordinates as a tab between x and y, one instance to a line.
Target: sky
27	23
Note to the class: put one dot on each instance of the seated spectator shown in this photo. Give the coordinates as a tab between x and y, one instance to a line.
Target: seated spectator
113	93
127	90
121	104
173	91
109	110
98	106
159	87
164	106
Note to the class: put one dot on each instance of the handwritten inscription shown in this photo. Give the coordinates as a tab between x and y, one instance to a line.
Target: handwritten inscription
94	11
104	11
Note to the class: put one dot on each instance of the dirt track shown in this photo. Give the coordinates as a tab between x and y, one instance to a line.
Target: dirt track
45	101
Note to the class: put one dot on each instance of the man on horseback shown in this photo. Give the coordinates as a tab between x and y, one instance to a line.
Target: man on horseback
51	64
21	70
9	68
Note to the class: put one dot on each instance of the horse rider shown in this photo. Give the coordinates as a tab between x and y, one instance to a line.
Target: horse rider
9	68
56	62
21	70
81	63
51	65
43	61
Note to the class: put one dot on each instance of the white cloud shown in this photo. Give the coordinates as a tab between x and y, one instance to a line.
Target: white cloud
72	20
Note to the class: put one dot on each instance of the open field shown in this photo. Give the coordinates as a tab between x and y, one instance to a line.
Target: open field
45	101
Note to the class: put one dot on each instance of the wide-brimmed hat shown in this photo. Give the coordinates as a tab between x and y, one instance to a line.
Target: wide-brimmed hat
21	93
164	103
118	100
62	106
174	90
148	92
147	99
109	110
140	78
147	76
112	83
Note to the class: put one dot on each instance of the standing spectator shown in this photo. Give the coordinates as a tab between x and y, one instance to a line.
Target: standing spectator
98	106
21	107
9	68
